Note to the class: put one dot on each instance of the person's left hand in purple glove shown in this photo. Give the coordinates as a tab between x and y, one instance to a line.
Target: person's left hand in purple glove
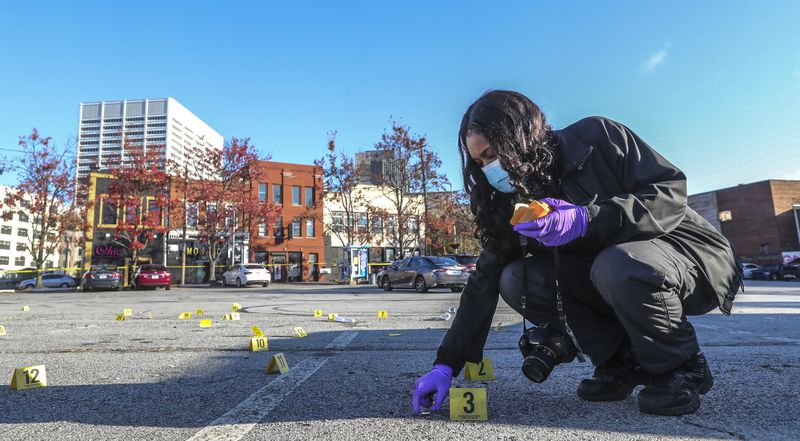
565	223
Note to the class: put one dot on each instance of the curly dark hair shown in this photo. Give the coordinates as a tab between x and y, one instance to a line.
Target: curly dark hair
526	147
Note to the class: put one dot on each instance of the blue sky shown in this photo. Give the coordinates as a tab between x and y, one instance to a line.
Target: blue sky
713	85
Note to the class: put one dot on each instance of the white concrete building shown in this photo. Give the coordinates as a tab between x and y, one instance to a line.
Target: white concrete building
16	234
163	122
383	246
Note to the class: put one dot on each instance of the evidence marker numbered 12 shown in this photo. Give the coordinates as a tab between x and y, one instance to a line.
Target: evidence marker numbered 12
468	404
29	377
482	371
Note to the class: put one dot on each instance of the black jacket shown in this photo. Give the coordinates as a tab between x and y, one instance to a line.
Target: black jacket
631	193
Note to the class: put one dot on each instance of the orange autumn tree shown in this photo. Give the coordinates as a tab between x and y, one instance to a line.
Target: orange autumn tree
224	193
45	193
138	191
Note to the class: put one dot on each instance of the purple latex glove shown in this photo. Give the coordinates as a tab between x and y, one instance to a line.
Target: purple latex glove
561	226
437	382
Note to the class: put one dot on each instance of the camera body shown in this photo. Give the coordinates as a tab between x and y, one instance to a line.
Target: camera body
543	347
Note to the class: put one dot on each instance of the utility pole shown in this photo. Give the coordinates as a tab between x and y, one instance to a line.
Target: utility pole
185	221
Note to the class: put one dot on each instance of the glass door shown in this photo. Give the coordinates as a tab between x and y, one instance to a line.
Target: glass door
278	268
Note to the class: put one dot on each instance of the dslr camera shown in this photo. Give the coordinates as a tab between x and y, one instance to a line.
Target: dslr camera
543	347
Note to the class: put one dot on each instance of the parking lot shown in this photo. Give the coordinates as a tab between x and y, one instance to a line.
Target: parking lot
153	376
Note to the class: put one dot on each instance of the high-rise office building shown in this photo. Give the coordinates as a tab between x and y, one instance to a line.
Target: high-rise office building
164	123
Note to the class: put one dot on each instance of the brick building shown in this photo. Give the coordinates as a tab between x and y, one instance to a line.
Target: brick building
291	247
760	219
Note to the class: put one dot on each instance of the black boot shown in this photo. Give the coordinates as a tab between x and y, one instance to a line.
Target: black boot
615	380
677	392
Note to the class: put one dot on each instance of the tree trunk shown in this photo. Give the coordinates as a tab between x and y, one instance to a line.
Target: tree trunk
39	283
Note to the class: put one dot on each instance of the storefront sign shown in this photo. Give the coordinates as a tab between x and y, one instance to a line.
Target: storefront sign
107	250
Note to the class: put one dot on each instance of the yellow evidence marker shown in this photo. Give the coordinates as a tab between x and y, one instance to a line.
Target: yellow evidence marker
120	317
185	316
257	332
317	313
127	312
277	364
29	377
479	371
205	323
259	344
300	332
383	314
226	317
468	404
199	311
236	307
529	212
235	316
2	330
26	308
332	316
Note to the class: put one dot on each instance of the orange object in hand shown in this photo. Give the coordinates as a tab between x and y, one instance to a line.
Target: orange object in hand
528	212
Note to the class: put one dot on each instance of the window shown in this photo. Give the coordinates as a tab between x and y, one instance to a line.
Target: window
5	245
191	214
277	194
22	232
278	226
5	229
295	227
377	225
3	260
24	217
361	222
296	195
48	264
310	227
262	230
764	248
22	246
310	197
24	203
108	211
19	261
336	221
725	216
262	191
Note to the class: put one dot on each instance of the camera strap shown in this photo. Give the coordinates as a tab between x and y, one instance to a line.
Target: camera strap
562	315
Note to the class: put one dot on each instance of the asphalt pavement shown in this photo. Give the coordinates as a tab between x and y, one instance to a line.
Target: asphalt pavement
153	376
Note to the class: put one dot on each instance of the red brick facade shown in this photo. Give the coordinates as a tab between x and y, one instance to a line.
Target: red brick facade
291	245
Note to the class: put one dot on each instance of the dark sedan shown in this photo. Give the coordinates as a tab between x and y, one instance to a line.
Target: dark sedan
423	273
789	271
102	277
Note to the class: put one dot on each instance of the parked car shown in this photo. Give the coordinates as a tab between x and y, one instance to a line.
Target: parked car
247	274
748	268
789	271
102	277
467	260
423	273
152	276
50	281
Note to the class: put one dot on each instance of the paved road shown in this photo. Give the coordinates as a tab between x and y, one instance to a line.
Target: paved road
164	378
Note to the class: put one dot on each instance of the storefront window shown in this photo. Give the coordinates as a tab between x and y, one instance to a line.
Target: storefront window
295	267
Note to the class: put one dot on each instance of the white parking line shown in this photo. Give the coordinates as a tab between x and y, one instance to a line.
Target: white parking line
237	422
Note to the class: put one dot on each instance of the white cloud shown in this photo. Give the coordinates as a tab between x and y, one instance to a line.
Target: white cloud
792	176
796	73
655	59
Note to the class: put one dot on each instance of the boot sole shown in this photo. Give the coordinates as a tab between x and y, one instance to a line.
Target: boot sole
690	407
615	396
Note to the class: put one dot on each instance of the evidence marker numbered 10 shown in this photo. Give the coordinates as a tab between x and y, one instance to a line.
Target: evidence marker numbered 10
468	404
259	344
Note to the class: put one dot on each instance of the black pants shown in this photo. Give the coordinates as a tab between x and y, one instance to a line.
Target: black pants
637	290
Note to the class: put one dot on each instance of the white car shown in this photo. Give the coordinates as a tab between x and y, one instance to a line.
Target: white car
247	274
748	268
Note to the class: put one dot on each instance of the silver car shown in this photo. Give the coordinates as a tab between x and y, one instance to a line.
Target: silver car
423	273
50	281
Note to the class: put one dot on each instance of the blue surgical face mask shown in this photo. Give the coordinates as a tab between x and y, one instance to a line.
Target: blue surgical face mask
498	177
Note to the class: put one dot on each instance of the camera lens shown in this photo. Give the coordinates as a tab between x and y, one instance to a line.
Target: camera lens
537	369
